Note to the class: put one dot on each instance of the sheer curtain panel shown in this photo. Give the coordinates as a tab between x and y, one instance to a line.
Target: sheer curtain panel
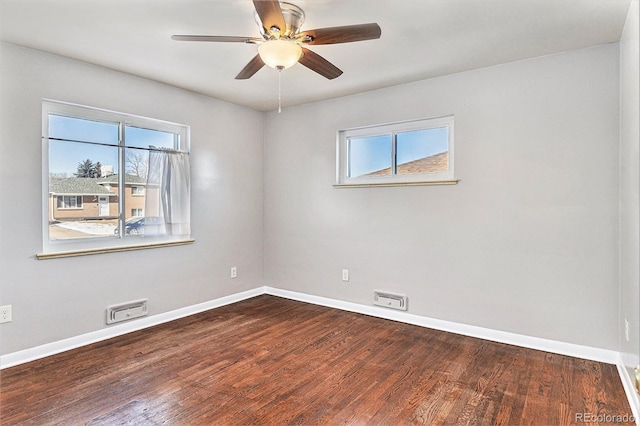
168	193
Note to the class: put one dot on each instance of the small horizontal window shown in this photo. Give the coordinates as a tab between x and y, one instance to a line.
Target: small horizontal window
411	152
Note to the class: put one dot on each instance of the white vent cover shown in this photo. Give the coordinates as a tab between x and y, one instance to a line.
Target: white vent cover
389	300
126	311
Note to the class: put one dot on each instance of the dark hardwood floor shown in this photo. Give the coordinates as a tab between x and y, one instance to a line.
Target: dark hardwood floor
274	361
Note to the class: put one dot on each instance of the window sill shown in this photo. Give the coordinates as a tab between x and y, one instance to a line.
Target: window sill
384	184
60	254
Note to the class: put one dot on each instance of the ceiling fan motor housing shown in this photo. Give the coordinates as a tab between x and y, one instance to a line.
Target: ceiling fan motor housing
293	18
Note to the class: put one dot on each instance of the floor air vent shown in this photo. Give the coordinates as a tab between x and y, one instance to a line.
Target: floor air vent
126	311
388	300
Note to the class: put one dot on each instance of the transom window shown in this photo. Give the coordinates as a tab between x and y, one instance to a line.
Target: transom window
410	152
101	169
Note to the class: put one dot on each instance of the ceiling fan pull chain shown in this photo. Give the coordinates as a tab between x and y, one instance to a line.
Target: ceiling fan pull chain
279	90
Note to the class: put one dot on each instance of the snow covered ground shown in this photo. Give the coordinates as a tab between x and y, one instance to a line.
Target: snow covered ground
93	228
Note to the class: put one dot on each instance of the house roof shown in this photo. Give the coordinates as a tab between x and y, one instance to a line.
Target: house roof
433	164
129	179
77	186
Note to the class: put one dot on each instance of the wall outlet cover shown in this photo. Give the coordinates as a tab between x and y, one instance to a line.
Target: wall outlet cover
6	314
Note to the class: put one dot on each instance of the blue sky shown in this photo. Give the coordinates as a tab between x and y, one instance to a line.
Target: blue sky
368	155
65	156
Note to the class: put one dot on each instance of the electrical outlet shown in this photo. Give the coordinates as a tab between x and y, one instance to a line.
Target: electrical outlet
5	314
626	330
234	272
345	275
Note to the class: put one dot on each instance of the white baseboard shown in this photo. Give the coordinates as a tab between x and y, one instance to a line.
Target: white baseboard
578	351
562	348
20	357
628	383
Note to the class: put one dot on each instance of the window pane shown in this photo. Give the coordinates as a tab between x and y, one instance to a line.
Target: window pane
137	167
136	163
370	156
83	190
141	202
422	151
76	159
78	129
145	138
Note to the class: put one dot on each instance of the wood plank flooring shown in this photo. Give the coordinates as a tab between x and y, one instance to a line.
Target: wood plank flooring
273	361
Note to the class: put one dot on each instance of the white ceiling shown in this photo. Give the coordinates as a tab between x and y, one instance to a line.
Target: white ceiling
420	39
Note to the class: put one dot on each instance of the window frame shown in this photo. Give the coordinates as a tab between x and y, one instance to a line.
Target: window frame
81	246
343	161
78	206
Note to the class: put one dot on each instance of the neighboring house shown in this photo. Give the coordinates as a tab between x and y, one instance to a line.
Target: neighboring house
135	194
433	164
94	198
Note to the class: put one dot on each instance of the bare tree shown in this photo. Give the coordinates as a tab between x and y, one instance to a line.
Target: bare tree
137	163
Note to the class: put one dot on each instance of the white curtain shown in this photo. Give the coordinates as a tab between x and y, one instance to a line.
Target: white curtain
168	194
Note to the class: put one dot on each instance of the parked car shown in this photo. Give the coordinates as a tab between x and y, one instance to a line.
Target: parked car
151	225
133	226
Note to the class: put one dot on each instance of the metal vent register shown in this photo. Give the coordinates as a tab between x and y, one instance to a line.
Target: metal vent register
389	300
126	311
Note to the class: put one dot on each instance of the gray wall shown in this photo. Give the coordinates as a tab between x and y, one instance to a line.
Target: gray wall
630	188
55	299
527	242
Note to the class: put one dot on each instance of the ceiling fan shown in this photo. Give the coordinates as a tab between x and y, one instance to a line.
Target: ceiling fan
282	43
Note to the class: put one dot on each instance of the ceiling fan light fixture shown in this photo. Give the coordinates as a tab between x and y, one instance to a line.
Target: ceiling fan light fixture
279	54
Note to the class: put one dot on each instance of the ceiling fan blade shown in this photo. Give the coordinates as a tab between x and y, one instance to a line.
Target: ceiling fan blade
251	68
270	14
317	63
223	39
345	34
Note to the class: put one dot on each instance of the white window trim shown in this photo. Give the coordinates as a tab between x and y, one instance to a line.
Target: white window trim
342	155
83	246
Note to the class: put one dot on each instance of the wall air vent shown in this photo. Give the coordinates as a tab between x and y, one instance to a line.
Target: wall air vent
126	311
389	300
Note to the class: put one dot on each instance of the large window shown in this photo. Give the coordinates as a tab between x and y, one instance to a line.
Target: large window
410	152
102	169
